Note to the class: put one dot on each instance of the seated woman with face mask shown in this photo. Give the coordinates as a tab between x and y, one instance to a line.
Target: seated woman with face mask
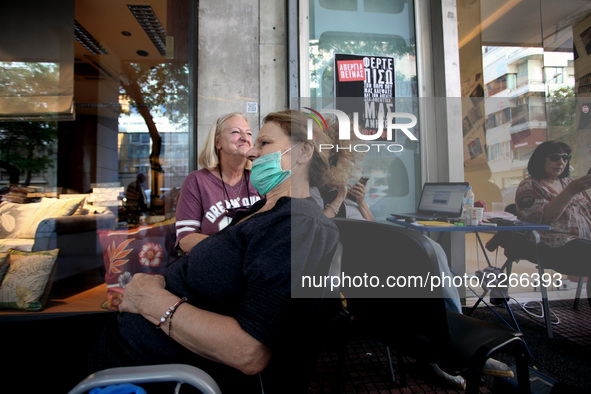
228	307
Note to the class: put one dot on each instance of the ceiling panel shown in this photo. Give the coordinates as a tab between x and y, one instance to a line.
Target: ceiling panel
528	23
105	20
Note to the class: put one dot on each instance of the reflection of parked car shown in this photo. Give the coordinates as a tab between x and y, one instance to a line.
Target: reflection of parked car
374	194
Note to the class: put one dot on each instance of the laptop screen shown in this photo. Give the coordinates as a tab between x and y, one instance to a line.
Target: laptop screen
444	198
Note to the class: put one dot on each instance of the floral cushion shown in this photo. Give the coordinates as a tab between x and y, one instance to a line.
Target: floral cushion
3	265
27	282
148	249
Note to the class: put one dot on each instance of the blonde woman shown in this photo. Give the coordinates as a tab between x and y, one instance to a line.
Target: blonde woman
210	196
338	198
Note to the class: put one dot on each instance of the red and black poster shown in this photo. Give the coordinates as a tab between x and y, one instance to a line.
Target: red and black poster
370	78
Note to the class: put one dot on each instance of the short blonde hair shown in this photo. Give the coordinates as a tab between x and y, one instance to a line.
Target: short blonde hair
209	155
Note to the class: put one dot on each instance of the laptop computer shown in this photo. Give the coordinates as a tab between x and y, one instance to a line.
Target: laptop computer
439	201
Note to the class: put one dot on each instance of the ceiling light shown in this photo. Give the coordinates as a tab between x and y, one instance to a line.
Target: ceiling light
151	25
87	40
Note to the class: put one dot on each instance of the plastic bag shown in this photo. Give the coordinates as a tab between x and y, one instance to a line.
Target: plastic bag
125	388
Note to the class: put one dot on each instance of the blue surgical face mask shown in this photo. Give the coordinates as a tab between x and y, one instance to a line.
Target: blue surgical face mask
267	173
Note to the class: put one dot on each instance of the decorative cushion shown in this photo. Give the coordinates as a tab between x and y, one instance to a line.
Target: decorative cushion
3	265
80	207
28	281
148	249
13	217
24	244
62	207
50	208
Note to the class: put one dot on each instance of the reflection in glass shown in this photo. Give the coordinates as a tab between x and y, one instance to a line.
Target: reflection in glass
535	78
367	29
94	110
154	115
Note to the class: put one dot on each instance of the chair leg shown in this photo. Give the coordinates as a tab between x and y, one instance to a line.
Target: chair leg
578	294
545	305
522	369
390	363
341	354
473	378
401	370
480	299
508	267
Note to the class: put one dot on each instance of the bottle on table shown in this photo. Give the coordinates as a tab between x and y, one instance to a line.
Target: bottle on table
467	203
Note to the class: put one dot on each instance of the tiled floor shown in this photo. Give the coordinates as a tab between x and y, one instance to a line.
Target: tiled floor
366	370
574	325
366	367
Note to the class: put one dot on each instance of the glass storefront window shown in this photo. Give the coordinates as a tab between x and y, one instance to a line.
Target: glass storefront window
533	80
362	30
94	108
530	80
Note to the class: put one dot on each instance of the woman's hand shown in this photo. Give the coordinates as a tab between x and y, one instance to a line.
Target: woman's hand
578	185
358	191
341	195
556	207
142	290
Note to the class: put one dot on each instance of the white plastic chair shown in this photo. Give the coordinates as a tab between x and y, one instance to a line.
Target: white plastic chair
180	373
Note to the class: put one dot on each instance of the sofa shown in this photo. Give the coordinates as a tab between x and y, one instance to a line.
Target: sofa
67	224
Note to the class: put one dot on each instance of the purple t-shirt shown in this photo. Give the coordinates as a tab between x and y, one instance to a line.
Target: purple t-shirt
203	202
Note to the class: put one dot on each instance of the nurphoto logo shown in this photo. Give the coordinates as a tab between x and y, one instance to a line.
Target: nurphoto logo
386	129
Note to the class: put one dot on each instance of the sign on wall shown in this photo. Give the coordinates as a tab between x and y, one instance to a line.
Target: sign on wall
370	77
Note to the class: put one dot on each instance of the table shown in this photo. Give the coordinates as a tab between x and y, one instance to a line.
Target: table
456	257
523	226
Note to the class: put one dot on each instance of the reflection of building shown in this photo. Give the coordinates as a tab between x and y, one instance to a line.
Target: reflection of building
135	145
517	81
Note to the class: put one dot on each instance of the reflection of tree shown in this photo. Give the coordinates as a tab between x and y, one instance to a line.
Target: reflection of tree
26	147
561	115
28	79
164	86
561	106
